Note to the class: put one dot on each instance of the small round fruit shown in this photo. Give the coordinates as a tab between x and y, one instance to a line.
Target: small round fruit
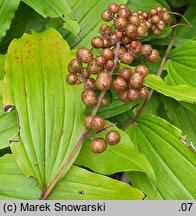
119	84
113	137
124	12
84	54
142	69
133	94
98	145
87	121
165	17
97	123
142	32
106	16
125	73
146	49
97	42
113	8
126	58
89	97
155	19
71	78
123	95
104	81
126	40
76	65
110	64
90	83
131	30
105	101
144	93
105	29
120	23
153	57
134	20
93	68
107	53
100	60
136	80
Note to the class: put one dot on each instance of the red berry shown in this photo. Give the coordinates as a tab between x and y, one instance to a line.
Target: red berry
89	97
146	49
84	54
153	57
113	137
97	42
123	95
87	121
105	101
133	94
106	16
104	81
90	83
136	80
113	8
97	123
120	23
119	84
98	145
126	58
144	93
125	73
142	69
71	78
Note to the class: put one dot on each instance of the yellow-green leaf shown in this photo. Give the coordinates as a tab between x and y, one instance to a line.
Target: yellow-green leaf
50	111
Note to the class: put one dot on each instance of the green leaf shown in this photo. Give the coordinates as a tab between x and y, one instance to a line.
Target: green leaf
78	184
8	128
153	105
185	33
181	65
181	118
13	183
116	107
2	64
7	9
117	158
179	92
88	16
53	8
145	5
82	184
50	111
25	20
174	164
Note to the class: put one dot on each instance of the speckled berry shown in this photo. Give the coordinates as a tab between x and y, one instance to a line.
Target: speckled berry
89	97
87	121
97	123
119	84
113	137
71	78
104	81
84	54
98	145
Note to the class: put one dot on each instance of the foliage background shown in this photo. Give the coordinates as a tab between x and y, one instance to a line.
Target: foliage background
156	155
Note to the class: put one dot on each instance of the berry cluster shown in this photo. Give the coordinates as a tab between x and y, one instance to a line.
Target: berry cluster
97	124
117	44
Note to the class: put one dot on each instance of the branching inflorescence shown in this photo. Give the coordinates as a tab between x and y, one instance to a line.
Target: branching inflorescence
118	46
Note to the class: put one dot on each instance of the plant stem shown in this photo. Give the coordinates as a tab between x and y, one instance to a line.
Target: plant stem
160	70
48	189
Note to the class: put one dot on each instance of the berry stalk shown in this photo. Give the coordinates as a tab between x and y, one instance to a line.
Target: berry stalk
48	189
